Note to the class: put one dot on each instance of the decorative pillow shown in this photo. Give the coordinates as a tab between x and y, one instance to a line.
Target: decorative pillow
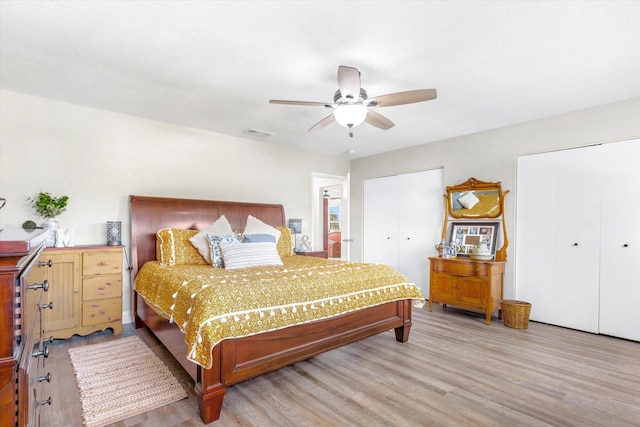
255	226
214	246
468	200
256	238
243	255
173	247
220	227
285	243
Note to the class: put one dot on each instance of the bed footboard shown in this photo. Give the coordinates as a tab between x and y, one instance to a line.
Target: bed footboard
240	359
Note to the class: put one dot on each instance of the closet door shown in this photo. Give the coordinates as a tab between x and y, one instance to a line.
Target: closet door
557	236
535	234
402	222
380	221
620	253
420	207
577	240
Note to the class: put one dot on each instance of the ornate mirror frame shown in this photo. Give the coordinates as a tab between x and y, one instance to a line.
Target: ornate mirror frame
475	199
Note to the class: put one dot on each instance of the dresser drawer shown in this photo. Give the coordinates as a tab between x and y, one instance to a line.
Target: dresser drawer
101	262
461	268
101	311
100	287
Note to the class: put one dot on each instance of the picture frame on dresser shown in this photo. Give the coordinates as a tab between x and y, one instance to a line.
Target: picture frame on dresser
466	234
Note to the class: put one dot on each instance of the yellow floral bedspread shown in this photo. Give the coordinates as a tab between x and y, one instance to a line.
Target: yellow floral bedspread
211	304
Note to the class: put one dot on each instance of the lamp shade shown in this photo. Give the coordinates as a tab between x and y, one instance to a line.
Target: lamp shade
350	115
295	225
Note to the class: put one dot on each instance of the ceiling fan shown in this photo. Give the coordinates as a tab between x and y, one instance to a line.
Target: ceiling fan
351	106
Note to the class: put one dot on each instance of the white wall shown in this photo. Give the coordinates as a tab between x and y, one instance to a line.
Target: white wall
491	156
99	158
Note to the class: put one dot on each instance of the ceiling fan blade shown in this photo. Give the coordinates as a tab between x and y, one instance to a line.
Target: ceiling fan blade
349	82
378	120
323	123
305	103
401	98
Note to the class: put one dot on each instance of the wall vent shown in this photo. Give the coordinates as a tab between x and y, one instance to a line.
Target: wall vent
257	132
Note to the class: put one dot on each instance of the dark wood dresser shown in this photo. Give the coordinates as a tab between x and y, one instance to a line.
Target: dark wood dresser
22	346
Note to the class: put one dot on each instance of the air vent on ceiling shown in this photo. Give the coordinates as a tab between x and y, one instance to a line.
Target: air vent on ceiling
257	132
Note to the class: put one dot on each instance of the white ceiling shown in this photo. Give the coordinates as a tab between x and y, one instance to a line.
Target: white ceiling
214	65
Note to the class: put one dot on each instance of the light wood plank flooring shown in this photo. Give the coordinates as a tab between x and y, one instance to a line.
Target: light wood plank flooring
454	371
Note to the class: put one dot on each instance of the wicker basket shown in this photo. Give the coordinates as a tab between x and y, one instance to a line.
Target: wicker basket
515	314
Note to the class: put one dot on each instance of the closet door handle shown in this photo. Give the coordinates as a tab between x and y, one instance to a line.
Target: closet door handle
626	245
575	244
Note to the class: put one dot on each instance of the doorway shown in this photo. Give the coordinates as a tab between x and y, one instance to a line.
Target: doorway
330	215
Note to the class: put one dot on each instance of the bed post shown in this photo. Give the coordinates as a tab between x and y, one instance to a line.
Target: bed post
210	404
209	388
402	332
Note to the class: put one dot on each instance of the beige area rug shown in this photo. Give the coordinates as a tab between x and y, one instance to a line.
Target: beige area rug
121	378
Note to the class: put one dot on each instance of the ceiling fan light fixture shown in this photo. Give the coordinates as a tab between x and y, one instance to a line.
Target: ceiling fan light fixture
350	115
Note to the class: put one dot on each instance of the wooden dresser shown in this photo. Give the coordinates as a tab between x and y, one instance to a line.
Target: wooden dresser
464	282
23	377
86	289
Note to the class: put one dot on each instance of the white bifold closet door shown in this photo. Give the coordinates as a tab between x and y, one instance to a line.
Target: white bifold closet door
620	248
402	222
577	239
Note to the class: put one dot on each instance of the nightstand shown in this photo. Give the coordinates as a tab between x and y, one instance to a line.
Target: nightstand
319	254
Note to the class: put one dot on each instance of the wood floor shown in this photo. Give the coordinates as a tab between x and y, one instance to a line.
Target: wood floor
454	371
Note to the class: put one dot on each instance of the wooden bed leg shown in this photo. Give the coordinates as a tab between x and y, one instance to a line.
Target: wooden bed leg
210	404
402	332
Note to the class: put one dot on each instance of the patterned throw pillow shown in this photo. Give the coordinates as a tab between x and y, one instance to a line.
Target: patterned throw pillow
245	255
173	247
214	247
220	227
285	243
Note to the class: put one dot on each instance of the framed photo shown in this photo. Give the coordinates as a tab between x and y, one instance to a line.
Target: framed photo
466	234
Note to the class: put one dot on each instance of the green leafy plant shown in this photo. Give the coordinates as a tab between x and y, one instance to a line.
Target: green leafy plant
48	206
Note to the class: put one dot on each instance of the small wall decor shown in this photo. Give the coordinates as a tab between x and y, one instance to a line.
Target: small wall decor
114	233
465	235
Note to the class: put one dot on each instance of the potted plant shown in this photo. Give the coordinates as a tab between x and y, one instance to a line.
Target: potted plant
49	207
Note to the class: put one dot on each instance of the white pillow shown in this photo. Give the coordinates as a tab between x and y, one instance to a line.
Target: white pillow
220	227
255	226
468	200
243	255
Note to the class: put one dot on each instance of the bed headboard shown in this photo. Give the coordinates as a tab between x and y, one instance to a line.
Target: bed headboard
149	214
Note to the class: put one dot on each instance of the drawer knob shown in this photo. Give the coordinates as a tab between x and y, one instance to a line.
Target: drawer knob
46	263
50	305
46	378
44	286
44	402
44	352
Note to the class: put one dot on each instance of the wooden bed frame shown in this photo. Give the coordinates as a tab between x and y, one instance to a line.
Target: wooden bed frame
240	359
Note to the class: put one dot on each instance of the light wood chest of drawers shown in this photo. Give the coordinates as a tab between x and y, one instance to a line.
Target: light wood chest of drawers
467	283
85	288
